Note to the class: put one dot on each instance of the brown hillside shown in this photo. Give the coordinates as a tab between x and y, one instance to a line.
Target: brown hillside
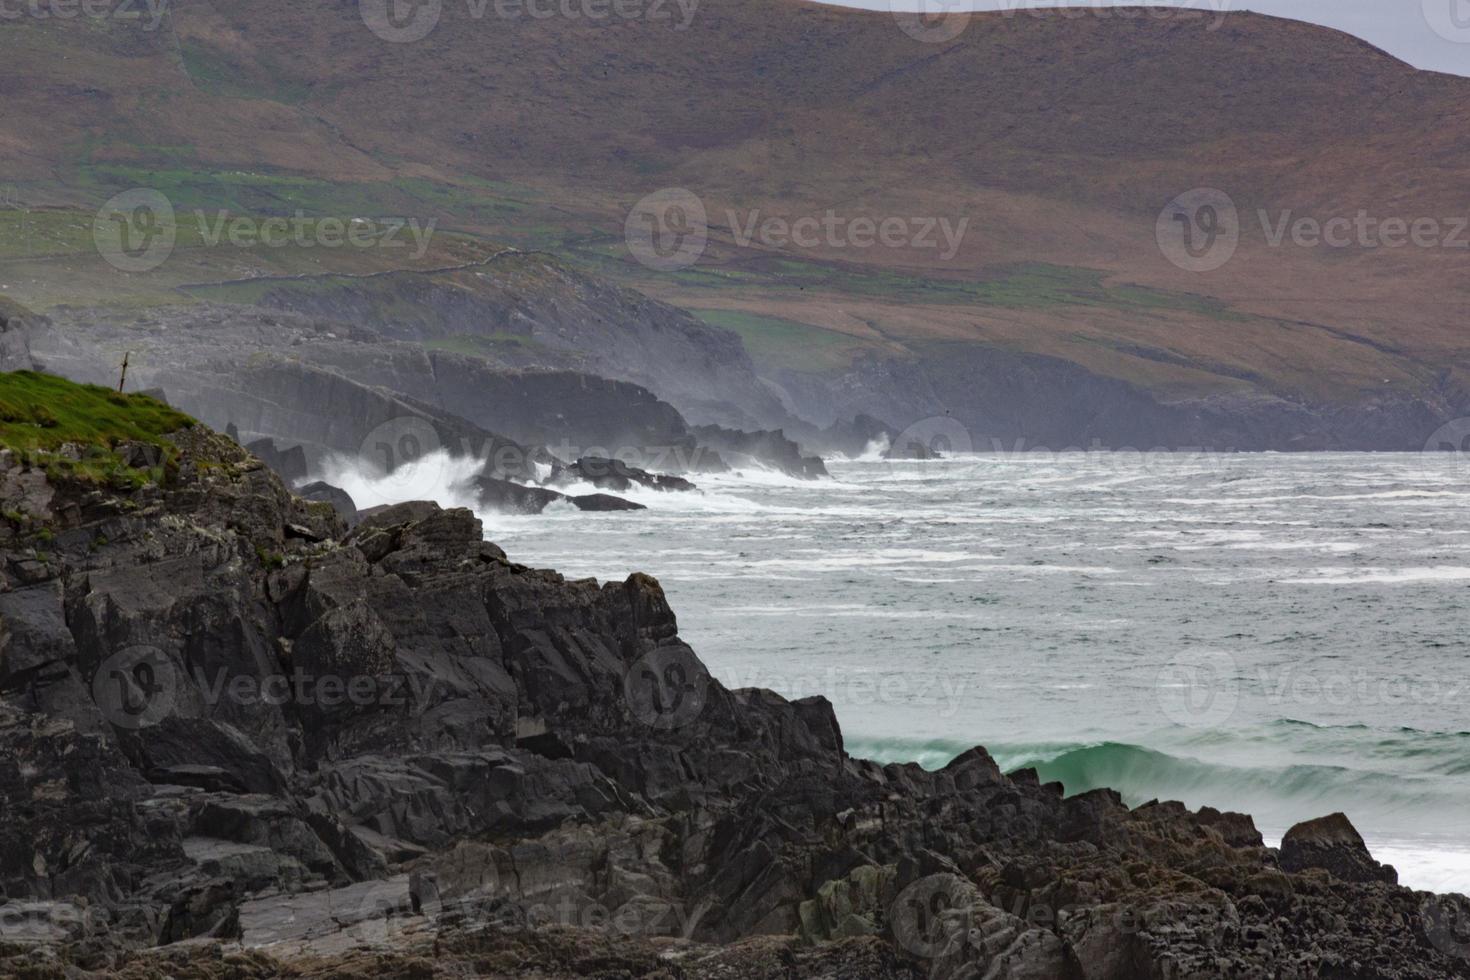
1059	138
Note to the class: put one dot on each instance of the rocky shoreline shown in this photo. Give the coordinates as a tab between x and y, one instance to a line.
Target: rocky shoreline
238	739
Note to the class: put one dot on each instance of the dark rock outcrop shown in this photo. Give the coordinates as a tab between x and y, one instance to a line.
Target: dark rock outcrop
225	717
289	464
340	499
771	449
1333	844
614	474
515	498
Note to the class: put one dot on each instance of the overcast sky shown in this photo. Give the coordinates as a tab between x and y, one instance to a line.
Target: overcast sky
1433	34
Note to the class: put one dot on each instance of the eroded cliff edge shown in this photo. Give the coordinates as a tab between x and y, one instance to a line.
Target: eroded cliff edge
238	740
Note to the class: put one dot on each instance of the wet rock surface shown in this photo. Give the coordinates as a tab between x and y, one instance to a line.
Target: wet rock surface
238	739
1332	844
761	449
516	498
614	474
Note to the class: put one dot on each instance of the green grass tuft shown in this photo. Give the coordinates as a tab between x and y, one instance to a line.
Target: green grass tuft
40	413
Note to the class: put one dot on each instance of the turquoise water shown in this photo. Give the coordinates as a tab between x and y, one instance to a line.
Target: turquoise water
1280	634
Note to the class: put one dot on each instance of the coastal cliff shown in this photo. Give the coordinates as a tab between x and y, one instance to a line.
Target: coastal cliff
238	739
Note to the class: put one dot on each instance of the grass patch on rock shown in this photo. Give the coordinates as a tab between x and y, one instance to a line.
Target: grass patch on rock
84	432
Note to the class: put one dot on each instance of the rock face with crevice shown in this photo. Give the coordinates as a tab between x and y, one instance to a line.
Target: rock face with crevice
393	751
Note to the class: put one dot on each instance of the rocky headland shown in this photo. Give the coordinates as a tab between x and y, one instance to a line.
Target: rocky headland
238	739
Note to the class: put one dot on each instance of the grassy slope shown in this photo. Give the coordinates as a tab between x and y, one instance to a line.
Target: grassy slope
1059	137
40	413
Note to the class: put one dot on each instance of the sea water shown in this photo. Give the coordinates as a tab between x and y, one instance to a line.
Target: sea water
1285	635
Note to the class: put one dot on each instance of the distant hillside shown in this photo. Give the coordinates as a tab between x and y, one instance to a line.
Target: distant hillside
1060	139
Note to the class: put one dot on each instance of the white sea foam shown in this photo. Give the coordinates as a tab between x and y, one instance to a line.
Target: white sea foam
437	476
